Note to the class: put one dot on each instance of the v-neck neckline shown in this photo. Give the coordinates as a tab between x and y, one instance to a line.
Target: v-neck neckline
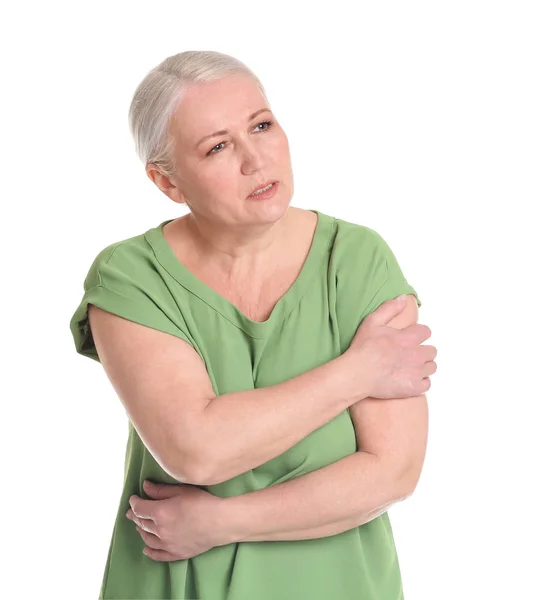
317	252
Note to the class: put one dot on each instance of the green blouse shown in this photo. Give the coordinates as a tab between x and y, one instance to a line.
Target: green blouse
349	271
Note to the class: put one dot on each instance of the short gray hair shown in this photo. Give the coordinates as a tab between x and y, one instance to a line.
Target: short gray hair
158	95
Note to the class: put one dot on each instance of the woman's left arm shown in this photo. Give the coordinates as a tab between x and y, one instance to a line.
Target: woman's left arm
327	530
391	436
330	500
181	521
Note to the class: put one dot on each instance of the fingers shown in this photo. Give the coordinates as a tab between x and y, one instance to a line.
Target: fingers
429	352
144	524
419	331
161	491
152	541
153	548
429	368
142	508
423	332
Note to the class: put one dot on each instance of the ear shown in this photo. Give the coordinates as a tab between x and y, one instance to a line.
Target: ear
164	183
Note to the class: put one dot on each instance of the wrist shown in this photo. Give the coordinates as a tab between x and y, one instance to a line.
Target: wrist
349	374
232	523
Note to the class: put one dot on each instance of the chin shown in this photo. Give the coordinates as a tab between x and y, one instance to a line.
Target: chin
271	210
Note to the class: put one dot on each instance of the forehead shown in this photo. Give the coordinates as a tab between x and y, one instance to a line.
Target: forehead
222	104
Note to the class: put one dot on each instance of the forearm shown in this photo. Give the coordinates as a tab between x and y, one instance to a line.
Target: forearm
322	530
243	430
342	495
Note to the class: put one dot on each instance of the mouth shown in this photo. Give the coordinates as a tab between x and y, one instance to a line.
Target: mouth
264	189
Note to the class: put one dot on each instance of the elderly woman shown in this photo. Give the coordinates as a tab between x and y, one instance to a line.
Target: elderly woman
269	360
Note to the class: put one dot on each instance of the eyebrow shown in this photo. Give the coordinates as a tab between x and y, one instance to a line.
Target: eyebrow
225	132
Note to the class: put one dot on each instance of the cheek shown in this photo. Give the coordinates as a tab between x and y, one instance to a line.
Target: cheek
281	148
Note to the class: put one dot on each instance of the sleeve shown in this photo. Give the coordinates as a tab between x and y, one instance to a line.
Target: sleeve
387	278
121	282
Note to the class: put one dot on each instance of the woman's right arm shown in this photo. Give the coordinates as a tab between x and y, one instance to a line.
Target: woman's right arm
192	433
200	438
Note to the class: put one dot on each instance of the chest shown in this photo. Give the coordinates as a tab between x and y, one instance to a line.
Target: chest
256	299
255	296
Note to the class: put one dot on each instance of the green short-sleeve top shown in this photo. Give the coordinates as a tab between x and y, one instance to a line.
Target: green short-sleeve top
349	271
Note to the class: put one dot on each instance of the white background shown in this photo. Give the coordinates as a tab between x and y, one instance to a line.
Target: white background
426	121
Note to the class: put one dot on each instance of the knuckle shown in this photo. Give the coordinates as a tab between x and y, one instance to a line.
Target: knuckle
158	515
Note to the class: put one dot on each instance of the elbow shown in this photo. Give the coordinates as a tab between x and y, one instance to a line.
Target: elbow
212	474
409	480
191	474
207	475
176	462
195	468
203	475
181	470
187	454
205	462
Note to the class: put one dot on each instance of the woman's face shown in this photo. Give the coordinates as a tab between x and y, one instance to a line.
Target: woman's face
215	175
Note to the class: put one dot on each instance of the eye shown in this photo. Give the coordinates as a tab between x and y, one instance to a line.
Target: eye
267	123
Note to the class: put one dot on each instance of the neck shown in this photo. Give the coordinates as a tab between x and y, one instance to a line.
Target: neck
236	251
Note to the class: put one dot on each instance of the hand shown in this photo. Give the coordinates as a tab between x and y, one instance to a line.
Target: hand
180	522
385	362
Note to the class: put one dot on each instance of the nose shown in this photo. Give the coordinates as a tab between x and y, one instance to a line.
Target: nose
251	156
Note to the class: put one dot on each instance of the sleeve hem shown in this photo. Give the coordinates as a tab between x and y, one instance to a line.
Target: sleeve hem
122	306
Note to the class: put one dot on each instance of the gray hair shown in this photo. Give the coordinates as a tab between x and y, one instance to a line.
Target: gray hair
158	95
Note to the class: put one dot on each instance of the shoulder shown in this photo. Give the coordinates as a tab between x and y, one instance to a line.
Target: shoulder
362	252
125	279
356	233
356	245
129	254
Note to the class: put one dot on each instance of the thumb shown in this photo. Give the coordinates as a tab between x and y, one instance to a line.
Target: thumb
160	491
389	309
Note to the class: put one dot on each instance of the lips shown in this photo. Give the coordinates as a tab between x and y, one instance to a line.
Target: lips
263	185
